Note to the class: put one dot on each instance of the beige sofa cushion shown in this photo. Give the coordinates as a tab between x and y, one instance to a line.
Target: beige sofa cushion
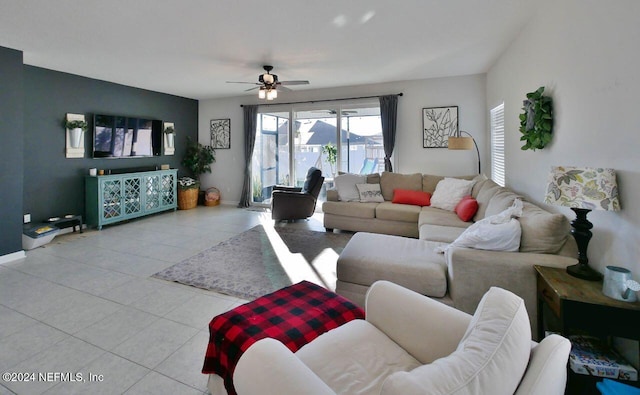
390	181
483	191
373	178
490	359
350	209
542	232
436	216
439	233
398	212
429	182
500	201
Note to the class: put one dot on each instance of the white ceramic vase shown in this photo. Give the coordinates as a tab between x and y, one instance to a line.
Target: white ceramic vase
170	137
76	137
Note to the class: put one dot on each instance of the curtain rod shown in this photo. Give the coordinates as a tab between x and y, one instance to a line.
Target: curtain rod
322	100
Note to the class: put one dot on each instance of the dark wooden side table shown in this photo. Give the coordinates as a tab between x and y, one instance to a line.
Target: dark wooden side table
580	306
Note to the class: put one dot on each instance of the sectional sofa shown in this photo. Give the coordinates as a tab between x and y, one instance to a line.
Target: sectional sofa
398	242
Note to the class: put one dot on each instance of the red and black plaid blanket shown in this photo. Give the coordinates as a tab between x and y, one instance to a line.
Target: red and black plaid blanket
294	315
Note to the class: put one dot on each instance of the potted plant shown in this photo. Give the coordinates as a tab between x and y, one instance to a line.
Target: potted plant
198	159
76	127
332	156
170	132
188	189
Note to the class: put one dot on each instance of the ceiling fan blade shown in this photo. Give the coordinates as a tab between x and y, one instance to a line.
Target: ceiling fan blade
283	89
242	82
300	82
252	89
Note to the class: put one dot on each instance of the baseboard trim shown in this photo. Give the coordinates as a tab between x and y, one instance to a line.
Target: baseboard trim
14	256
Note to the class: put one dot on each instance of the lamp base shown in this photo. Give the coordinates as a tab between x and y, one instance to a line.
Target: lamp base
584	272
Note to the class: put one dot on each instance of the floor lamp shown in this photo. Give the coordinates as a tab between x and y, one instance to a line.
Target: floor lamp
583	189
457	142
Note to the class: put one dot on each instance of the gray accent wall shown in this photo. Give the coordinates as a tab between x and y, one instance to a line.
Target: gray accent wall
11	152
54	184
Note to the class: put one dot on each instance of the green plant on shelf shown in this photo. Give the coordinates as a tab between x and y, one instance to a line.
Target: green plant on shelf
75	124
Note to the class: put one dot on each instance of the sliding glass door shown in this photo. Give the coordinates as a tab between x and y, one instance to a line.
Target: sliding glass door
334	138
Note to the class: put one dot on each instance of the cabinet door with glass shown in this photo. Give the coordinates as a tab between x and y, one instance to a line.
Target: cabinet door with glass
168	188
110	199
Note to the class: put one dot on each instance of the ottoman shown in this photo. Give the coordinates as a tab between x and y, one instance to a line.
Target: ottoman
411	263
294	315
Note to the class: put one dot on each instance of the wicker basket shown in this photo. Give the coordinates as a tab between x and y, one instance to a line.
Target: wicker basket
187	198
212	197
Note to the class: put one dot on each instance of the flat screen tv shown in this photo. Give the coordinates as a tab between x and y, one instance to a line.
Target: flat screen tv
126	137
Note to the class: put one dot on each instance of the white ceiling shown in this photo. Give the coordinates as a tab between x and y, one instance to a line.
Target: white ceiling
191	47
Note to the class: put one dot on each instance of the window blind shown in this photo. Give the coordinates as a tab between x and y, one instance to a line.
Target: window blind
497	145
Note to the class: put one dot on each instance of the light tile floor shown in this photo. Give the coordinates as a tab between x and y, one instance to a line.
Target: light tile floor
86	303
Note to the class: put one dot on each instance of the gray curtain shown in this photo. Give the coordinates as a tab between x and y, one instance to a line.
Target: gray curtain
250	123
388	115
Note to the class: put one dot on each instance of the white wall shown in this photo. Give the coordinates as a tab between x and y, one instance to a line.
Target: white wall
467	92
585	53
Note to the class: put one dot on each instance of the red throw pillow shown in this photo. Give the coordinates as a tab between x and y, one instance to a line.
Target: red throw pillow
467	208
408	196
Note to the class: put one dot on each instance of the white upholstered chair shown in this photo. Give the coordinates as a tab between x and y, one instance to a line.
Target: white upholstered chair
410	344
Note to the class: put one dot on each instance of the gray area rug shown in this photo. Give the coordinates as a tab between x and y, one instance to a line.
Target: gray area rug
262	260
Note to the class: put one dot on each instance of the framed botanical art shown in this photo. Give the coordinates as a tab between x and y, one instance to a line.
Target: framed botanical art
438	123
220	133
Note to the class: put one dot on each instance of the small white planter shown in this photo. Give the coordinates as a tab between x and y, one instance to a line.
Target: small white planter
170	137
76	137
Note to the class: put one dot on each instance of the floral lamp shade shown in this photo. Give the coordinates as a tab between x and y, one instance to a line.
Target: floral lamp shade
583	187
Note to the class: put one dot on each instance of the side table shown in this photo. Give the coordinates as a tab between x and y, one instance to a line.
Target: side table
580	305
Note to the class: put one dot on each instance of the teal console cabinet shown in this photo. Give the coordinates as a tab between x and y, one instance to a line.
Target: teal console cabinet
114	198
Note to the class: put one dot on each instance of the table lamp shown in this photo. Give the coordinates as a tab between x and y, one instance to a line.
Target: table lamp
583	189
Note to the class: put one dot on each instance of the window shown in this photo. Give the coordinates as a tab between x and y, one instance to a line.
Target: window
497	144
290	140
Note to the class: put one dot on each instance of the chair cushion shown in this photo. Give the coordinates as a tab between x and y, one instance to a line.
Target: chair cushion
313	176
355	358
490	359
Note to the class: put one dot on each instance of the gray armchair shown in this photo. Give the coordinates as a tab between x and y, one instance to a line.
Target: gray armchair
297	203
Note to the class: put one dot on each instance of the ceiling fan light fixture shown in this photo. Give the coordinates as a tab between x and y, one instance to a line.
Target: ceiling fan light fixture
271	94
262	93
267	78
274	93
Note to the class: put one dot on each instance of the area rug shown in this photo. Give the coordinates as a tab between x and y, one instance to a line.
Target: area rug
262	260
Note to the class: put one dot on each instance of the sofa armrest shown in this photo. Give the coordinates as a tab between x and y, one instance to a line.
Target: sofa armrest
332	195
470	273
424	327
269	367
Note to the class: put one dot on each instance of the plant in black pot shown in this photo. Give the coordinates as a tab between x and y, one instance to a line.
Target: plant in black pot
198	159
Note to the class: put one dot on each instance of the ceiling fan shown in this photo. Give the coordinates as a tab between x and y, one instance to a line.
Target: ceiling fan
268	84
